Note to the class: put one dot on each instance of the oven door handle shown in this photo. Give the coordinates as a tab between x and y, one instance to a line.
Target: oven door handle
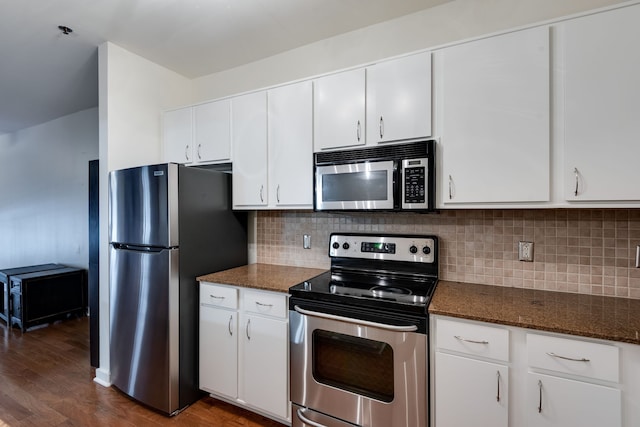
408	328
307	420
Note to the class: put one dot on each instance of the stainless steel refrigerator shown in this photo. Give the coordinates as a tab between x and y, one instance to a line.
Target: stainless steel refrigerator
168	224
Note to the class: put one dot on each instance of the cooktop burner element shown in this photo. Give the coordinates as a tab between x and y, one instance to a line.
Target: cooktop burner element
382	273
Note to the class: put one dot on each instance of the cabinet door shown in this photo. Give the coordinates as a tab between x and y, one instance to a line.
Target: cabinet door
339	110
291	146
399	99
559	402
470	392
495	119
265	364
212	131
249	137
602	106
219	351
177	135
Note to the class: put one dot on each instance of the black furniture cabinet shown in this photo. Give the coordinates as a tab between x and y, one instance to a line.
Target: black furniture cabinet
5	279
44	296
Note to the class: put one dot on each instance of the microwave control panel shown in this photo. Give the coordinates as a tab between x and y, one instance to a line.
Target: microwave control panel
414	188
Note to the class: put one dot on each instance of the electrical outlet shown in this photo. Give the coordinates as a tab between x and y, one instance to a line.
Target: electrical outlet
306	241
638	256
525	251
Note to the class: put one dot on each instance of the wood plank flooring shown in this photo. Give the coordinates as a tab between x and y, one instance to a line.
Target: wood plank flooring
46	380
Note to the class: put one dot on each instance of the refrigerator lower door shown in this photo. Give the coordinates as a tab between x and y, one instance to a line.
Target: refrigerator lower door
144	326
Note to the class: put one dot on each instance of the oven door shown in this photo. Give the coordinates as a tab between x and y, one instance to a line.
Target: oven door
357	371
355	186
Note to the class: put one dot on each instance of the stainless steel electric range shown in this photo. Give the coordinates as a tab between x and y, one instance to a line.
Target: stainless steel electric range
358	333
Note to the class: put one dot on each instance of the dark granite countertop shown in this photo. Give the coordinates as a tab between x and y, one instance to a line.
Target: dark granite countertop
269	277
610	318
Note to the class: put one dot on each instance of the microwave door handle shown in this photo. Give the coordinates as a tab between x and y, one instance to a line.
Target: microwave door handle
408	328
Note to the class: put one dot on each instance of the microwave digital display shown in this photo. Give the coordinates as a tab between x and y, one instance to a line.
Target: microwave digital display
378	247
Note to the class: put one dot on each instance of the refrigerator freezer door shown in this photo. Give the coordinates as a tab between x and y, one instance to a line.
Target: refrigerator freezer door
144	326
144	205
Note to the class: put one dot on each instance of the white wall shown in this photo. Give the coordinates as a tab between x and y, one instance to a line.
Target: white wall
447	23
44	174
132	94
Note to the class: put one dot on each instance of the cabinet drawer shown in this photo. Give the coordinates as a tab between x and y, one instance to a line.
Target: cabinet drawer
470	338
269	303
570	356
218	295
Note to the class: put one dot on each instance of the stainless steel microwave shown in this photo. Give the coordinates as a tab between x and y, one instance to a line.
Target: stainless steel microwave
395	177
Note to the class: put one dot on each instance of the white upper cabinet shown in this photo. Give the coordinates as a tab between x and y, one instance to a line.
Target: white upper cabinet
494	112
249	138
602	106
290	141
212	132
178	135
339	115
399	99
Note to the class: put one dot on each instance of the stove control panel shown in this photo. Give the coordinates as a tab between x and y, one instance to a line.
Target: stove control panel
385	247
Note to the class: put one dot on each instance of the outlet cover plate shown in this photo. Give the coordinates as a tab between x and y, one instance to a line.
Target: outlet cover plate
525	251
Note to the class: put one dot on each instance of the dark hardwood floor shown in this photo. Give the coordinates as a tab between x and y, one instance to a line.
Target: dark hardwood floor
46	380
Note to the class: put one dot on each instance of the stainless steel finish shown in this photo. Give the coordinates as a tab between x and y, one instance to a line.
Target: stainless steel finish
413	163
458	337
409	328
540	396
381	127
582	359
575	171
144	340
357	199
358	130
402	248
410	379
303	417
229	325
450	183
498	386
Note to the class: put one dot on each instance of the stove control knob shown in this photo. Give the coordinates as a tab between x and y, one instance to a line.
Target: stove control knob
345	246
413	249
426	250
336	245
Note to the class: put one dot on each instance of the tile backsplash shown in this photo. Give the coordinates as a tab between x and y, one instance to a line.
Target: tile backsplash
588	251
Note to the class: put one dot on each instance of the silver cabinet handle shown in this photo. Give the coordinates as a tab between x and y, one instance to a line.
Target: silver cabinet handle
381	127
575	171
540	394
216	297
278	193
230	320
261	198
186	151
498	377
307	421
408	328
198	151
247	329
458	337
582	359
358	130
450	182
263	305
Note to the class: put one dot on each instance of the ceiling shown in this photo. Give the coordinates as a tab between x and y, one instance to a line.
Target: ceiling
45	74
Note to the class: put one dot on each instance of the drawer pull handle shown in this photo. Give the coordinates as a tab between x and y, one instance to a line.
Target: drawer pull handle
498	395
216	297
263	305
540	396
458	337
582	359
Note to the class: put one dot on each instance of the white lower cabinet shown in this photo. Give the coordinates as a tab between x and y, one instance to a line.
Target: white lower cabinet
244	348
482	401
540	379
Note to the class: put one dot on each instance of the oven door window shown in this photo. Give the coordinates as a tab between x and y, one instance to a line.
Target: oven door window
354	364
